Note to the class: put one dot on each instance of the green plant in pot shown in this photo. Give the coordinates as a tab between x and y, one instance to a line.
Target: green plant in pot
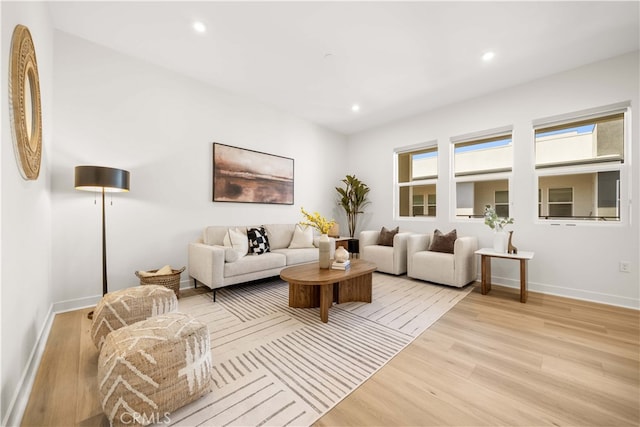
353	198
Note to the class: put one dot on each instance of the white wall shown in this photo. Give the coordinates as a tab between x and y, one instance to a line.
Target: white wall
113	110
25	218
580	262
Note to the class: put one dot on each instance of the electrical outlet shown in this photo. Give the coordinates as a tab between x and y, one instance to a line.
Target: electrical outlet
625	266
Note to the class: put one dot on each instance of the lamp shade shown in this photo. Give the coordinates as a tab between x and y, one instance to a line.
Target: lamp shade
98	178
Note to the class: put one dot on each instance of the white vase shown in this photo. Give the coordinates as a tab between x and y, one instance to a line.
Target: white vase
500	238
324	246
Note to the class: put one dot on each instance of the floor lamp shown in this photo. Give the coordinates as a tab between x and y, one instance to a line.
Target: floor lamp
104	180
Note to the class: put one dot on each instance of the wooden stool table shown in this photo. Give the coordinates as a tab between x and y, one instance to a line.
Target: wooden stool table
485	258
310	286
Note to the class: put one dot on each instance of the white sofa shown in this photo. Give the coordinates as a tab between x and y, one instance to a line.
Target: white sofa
457	269
208	264
389	259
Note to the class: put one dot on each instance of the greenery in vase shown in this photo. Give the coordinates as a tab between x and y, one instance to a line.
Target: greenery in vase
353	198
317	221
492	219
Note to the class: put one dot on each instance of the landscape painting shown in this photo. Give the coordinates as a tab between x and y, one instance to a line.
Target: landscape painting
247	176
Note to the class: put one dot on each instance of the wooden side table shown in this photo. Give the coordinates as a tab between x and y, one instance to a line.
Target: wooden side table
485	261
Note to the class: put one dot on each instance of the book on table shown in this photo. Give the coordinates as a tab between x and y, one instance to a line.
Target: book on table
341	265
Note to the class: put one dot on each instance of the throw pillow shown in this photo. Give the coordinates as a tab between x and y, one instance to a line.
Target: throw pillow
230	254
302	237
258	240
237	240
386	236
443	242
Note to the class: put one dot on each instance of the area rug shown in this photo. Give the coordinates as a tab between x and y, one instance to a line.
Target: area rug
280	366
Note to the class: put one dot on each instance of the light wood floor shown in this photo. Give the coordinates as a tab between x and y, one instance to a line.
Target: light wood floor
489	361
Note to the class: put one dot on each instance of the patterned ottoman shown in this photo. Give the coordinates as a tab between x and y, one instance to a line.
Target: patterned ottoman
128	306
153	367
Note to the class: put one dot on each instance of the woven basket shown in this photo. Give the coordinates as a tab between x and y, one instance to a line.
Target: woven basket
171	281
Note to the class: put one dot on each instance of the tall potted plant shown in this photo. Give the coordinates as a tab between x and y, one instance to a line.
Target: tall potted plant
353	198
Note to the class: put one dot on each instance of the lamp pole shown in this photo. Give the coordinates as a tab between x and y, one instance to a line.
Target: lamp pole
104	179
104	248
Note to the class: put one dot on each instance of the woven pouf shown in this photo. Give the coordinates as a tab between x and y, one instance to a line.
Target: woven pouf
153	367
128	306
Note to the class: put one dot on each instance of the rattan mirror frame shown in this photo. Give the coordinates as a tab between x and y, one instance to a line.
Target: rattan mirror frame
24	103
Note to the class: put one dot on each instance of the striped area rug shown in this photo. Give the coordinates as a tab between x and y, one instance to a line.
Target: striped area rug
279	366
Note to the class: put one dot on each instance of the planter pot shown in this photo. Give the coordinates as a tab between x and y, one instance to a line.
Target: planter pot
500	241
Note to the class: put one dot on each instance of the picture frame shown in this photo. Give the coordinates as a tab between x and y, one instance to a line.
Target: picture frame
241	175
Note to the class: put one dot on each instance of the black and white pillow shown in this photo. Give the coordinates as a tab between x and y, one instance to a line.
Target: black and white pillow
258	240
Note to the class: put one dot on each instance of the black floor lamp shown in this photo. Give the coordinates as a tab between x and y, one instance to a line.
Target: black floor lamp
105	180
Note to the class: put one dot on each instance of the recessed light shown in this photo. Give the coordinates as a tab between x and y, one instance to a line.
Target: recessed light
488	56
355	108
199	27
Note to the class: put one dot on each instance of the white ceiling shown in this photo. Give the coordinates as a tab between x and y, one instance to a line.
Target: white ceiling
394	59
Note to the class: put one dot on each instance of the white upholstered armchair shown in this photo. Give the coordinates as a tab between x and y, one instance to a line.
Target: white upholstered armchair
389	259
453	269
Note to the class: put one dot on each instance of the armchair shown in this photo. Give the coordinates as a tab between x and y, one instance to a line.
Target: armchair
389	259
456	269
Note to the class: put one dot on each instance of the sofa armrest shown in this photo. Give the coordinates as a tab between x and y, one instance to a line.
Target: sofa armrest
368	238
416	243
206	264
400	251
464	250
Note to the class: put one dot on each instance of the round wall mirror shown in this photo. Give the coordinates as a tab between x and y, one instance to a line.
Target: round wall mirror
24	103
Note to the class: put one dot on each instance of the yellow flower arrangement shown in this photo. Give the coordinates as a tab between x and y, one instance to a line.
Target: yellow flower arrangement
317	221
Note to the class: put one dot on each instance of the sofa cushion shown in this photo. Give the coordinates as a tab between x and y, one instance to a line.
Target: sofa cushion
438	267
237	240
258	240
443	242
386	236
381	256
254	263
280	235
299	255
302	237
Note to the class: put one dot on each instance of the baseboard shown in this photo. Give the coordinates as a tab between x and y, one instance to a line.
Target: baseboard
579	294
85	302
76	304
18	404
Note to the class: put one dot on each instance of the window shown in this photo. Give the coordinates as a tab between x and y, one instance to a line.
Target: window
561	202
579	165
431	204
417	173
501	203
418	205
482	167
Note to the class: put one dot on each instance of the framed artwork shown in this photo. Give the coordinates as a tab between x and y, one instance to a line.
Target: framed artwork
247	176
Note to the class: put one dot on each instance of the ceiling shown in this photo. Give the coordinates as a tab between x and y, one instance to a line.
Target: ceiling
394	59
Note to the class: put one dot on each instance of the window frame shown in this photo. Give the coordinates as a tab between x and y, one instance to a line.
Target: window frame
620	164
397	185
499	174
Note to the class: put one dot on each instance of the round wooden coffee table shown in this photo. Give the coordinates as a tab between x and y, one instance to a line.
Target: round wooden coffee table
310	286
